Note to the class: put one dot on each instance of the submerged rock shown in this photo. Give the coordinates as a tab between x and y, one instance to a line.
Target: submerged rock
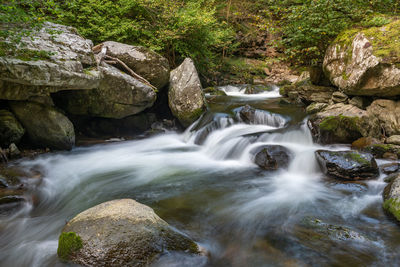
348	165
119	233
11	131
119	95
185	95
45	126
272	157
365	62
391	198
141	60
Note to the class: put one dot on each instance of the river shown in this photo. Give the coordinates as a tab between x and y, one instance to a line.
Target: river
204	183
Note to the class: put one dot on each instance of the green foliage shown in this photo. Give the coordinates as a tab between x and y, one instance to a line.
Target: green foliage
68	243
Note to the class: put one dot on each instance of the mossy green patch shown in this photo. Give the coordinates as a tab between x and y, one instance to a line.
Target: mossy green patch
332	123
357	157
392	206
68	243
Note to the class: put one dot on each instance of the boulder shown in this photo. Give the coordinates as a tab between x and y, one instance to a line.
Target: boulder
141	60
307	93
365	62
11	131
119	95
119	233
348	165
390	168
185	95
391	197
384	151
339	97
272	157
394	140
50	59
315	108
364	142
340	123
360	102
388	114
45	126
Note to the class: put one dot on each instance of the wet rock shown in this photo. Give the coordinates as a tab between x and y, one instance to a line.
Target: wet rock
307	93
383	150
11	131
119	95
51	59
119	233
141	60
340	123
185	95
391	198
348	165
394	140
365	62
250	115
13	151
3	182
390	168
364	142
272	157
391	177
339	97
315	108
45	126
387	113
214	91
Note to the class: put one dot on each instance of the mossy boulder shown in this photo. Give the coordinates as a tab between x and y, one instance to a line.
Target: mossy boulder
46	126
391	198
380	150
185	95
119	233
11	131
348	165
366	61
306	93
341	123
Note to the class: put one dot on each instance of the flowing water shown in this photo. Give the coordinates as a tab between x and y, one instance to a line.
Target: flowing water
203	182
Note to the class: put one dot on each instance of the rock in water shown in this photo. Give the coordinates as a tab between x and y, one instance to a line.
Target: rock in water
11	131
272	157
387	113
391	198
365	62
185	95
119	95
119	233
45	125
348	165
141	60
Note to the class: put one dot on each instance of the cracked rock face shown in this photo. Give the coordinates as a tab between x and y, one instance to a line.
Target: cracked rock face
185	95
49	60
366	63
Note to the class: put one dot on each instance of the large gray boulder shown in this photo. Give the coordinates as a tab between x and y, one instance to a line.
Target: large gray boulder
119	233
50	59
388	114
141	60
185	95
45	126
341	123
365	62
119	95
11	131
391	197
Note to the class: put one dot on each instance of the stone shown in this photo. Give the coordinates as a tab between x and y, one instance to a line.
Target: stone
119	233
307	93
14	151
387	112
347	165
394	140
384	151
317	76
250	115
315	108
360	102
45	126
365	62
339	97
119	95
391	197
389	168
364	142
51	59
340	123
185	95
142	61
11	131
272	157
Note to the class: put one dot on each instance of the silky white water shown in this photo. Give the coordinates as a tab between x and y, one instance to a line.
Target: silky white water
204	183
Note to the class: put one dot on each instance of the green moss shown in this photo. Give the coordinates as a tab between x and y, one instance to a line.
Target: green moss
329	123
68	243
392	206
357	157
332	123
345	76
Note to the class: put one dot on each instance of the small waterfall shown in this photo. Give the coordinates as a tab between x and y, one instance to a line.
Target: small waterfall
246	91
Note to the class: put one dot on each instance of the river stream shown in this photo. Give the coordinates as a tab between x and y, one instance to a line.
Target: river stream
204	183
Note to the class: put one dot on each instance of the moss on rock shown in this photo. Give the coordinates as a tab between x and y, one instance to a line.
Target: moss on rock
68	243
